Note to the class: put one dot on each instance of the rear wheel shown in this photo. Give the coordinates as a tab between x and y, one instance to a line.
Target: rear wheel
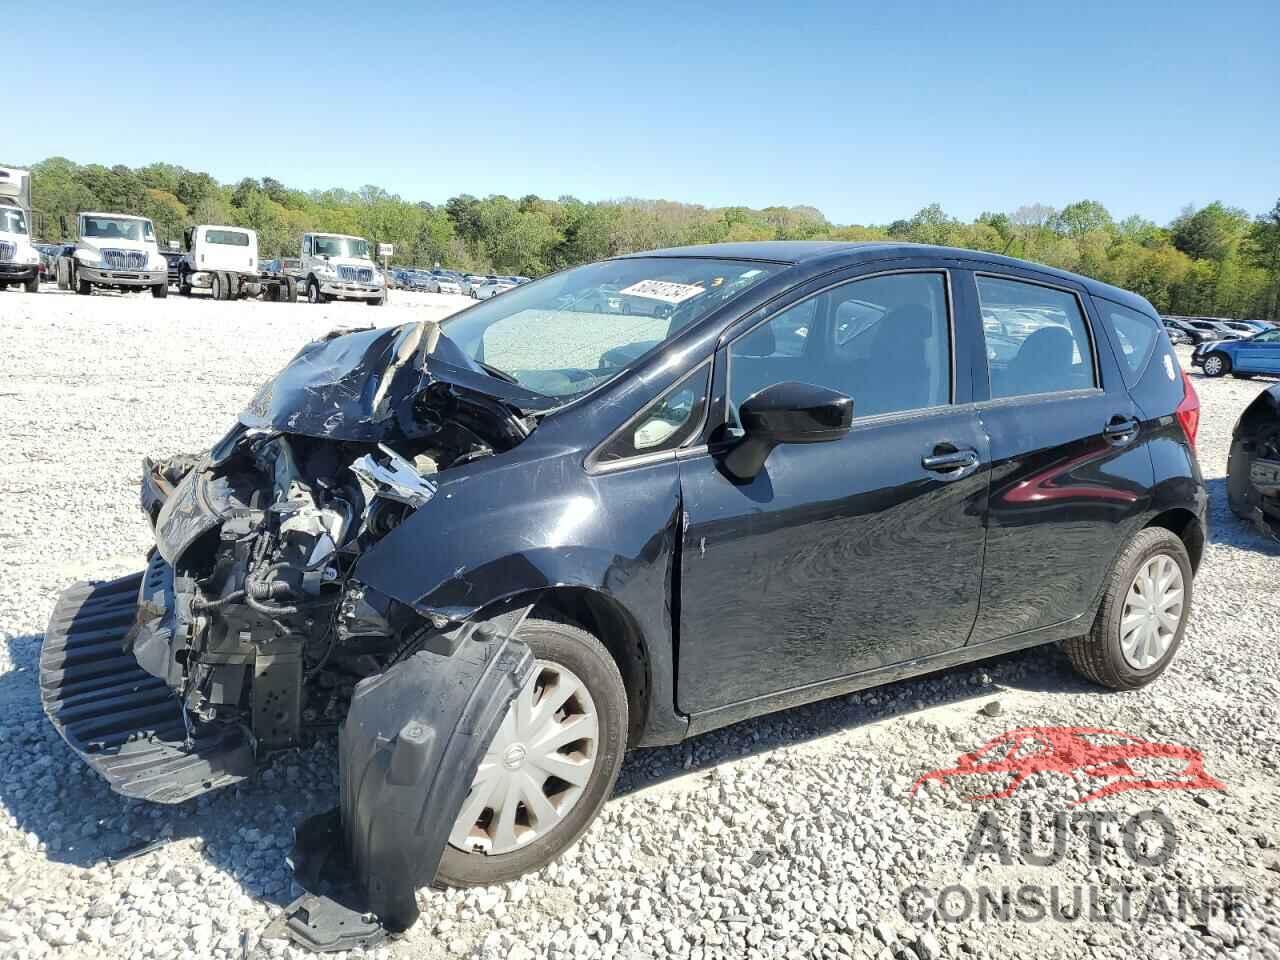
1216	364
1143	616
217	286
551	766
289	292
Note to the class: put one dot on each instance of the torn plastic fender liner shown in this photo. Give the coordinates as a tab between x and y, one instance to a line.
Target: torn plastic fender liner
409	750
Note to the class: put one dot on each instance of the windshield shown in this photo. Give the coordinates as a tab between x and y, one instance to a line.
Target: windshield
12	220
569	333
117	228
342	247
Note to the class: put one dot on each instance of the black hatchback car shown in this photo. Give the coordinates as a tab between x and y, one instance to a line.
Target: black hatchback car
803	471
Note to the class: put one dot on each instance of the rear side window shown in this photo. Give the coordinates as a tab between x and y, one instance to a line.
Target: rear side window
1037	339
1135	335
229	238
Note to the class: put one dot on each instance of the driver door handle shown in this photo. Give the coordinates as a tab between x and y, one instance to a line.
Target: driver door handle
960	459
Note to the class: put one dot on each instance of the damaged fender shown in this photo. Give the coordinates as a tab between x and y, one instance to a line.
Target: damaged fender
1253	465
408	752
521	530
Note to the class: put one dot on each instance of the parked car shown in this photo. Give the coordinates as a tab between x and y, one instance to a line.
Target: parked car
1253	465
1215	330
1257	354
491	288
1182	327
445	284
500	558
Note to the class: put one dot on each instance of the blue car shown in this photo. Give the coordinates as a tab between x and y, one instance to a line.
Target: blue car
1242	358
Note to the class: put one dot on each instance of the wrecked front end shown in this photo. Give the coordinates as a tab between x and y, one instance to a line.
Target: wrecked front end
1253	466
251	630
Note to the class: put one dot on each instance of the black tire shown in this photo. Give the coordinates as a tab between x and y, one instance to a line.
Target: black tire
379	301
217	286
184	286
32	285
271	293
580	652
290	290
160	290
1216	364
313	292
83	287
233	285
1098	655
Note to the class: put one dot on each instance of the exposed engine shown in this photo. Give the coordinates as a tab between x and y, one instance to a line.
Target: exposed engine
249	610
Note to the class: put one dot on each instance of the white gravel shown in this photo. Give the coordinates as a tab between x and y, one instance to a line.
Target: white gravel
789	836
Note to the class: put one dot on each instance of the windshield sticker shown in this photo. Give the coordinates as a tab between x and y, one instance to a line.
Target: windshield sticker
663	290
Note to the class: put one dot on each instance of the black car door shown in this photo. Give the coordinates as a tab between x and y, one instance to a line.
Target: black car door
1069	471
842	556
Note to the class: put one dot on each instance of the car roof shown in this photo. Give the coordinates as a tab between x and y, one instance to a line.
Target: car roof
815	255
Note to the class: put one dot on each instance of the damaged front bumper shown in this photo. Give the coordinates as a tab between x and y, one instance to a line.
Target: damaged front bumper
1253	464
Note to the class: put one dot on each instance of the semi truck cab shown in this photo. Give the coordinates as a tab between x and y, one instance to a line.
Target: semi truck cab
337	267
115	251
19	260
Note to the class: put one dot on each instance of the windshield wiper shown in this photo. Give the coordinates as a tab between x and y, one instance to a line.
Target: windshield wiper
495	372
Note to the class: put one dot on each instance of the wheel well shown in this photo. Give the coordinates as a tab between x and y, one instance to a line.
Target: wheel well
608	622
1188	529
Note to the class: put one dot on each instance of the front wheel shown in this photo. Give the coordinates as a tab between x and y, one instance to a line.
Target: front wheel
551	766
32	285
313	292
1216	364
1143	615
160	290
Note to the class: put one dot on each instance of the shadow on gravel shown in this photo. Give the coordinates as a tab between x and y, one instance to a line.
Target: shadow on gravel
1044	668
1226	527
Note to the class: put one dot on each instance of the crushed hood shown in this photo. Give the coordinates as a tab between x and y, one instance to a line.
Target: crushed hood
361	386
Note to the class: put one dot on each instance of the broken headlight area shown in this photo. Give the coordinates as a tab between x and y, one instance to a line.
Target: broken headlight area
249	611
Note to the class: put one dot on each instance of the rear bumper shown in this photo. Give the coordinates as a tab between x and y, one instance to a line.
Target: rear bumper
122	721
122	278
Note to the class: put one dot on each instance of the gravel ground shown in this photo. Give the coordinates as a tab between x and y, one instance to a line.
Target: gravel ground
794	835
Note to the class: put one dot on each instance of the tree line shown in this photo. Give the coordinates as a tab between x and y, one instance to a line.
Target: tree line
1214	260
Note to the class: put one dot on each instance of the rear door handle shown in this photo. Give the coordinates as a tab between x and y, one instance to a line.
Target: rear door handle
1121	430
952	460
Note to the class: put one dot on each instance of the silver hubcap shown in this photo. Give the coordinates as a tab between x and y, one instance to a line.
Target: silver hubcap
536	768
1213	366
1152	612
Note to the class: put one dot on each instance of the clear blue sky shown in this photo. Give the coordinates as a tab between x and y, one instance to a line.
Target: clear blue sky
867	111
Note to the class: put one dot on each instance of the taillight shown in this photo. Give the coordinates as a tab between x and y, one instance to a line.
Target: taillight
1188	412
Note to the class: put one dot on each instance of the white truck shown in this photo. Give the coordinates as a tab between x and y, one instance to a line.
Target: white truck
115	251
224	261
334	266
19	260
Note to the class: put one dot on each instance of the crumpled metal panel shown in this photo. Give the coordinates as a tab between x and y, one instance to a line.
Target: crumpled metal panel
356	387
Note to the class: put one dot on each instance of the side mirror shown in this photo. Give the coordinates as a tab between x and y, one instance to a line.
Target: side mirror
788	412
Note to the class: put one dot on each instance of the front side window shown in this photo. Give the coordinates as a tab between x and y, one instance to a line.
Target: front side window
570	332
1043	343
1135	333
667	423
884	341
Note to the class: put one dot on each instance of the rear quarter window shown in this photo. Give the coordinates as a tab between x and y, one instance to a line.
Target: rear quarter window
1134	334
230	238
